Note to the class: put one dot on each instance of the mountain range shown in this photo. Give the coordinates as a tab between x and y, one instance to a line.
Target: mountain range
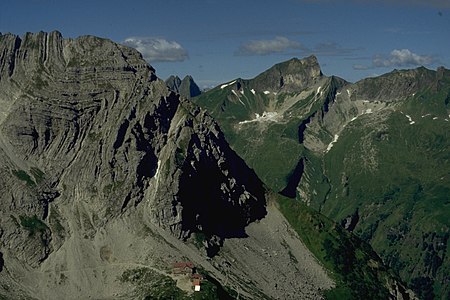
371	155
291	185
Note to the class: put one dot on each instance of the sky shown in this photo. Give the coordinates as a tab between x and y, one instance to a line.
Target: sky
218	41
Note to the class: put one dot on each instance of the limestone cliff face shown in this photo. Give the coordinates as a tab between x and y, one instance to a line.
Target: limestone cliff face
88	132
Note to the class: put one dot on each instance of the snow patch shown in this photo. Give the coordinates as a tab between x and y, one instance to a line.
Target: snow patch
227	84
365	101
338	93
353	119
336	136
266	92
157	169
348	92
242	92
236	94
410	120
425	115
266	116
253	91
318	90
435	118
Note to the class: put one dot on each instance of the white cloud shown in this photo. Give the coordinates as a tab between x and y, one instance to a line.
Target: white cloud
265	47
402	58
361	67
157	49
398	58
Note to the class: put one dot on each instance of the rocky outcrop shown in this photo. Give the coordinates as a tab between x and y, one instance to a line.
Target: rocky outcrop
186	88
291	76
173	83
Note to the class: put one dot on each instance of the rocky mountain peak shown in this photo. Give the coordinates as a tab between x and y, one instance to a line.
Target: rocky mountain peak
173	83
311	62
186	88
292	75
91	109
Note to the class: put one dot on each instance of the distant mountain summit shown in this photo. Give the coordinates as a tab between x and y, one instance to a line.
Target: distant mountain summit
275	101
186	88
292	75
173	83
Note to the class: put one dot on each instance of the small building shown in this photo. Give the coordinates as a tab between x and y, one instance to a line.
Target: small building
196	283
183	268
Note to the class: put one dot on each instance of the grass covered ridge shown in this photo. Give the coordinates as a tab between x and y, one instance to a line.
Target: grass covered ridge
356	268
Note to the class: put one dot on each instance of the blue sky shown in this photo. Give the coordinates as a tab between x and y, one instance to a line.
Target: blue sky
216	41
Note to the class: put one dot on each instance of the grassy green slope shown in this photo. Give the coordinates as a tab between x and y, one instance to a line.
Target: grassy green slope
397	176
392	174
271	148
282	149
356	268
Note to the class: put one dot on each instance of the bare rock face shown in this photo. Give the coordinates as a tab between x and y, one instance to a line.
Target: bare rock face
88	132
186	88
173	83
290	76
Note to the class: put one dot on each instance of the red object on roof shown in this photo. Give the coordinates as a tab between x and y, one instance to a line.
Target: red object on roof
196	282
